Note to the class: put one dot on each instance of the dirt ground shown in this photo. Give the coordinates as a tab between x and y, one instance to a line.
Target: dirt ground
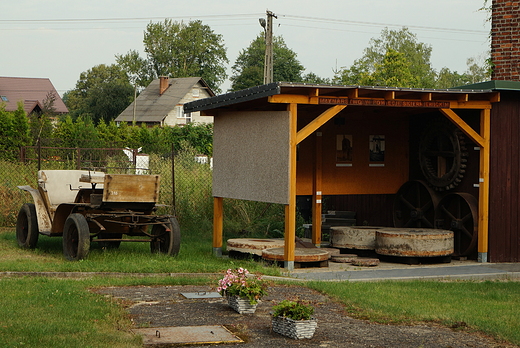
162	306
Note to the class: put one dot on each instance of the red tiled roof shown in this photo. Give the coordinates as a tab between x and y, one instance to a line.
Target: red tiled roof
30	91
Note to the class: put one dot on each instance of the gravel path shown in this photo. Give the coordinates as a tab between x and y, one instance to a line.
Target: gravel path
161	306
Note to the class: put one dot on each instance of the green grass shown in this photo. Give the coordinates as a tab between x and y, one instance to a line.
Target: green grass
490	306
43	312
31	307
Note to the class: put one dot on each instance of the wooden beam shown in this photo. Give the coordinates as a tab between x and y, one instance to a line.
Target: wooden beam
426	96
317	190
290	209
476	104
390	95
292	99
463	126
463	97
218	224
483	192
353	93
318	122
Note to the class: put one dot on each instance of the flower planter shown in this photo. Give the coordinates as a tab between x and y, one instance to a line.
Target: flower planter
241	305
295	329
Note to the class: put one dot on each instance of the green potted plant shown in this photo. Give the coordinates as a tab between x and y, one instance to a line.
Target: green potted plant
242	290
294	319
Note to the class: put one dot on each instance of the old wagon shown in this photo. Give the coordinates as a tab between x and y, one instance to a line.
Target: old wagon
86	206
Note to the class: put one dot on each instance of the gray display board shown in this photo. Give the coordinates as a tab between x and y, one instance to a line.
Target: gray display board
251	156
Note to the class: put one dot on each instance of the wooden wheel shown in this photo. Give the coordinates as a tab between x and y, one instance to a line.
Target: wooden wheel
414	205
166	238
458	212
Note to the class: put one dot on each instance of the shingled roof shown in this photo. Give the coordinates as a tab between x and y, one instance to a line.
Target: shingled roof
30	91
153	107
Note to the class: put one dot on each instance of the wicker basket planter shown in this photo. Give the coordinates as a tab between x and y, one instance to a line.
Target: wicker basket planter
241	305
295	329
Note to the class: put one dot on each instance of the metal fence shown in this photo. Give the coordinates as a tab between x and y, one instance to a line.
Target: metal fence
185	183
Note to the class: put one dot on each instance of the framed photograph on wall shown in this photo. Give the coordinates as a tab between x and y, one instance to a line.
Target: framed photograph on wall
377	148
344	150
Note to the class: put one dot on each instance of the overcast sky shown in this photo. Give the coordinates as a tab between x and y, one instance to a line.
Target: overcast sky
59	39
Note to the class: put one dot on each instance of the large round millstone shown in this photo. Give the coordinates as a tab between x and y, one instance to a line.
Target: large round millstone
253	245
414	242
354	237
300	254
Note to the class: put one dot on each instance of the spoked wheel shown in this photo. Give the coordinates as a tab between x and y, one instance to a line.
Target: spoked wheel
76	238
414	205
166	238
27	227
458	212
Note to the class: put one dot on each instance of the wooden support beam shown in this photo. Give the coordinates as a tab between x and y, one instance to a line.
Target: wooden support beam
353	93
318	122
463	126
218	224
463	98
390	95
483	192
426	96
317	190
290	209
292	99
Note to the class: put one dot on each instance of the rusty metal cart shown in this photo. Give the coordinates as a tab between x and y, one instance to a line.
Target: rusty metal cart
85	207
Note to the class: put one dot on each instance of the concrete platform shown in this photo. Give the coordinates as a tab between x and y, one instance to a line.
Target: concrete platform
465	270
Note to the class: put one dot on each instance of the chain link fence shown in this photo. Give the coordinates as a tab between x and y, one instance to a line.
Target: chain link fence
186	192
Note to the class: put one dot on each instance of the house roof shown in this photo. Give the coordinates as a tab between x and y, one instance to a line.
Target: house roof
259	94
153	107
31	91
496	85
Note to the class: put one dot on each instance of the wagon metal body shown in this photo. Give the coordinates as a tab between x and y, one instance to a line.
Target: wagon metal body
85	206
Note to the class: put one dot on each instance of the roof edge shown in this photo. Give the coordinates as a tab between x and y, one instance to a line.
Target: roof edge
495	85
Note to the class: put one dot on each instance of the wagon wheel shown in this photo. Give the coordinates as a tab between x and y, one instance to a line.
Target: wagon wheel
442	156
459	213
166	238
27	227
414	205
76	237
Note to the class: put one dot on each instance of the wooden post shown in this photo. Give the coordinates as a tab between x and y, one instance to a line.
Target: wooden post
483	196
316	192
290	209
218	225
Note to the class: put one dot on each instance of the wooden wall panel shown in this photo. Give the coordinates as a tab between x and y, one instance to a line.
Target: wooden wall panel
504	220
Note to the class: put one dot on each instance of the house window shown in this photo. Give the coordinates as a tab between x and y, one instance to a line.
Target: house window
182	114
195	92
4	98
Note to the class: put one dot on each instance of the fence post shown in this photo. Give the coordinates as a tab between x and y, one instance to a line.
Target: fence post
173	178
78	158
39	153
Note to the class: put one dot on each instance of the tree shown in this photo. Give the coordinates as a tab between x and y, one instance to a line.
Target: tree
14	131
178	49
380	54
101	93
248	70
394	70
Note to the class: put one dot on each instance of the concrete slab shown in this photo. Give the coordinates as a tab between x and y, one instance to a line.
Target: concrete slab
201	294
186	335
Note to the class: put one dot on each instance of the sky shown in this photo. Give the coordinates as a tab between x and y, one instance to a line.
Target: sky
60	39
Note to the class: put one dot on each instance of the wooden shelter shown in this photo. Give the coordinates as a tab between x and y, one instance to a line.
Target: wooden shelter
280	140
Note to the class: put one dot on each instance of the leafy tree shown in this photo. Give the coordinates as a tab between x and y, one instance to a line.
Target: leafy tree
14	131
315	79
380	56
101	93
248	70
178	49
394	70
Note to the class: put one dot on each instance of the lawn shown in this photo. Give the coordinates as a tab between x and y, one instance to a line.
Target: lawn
50	312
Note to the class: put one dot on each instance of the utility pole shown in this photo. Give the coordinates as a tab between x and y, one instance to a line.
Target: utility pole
268	63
